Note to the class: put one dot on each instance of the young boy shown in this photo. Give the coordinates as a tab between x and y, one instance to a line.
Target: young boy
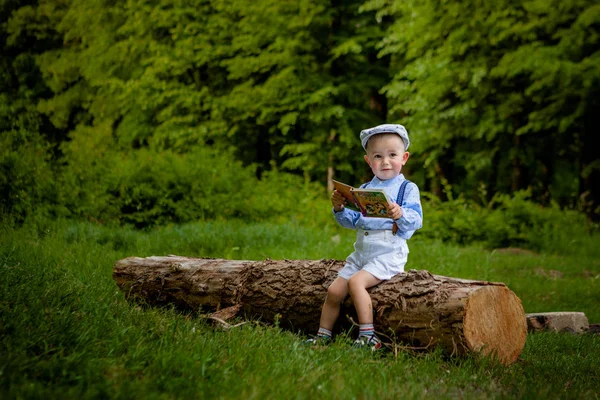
380	250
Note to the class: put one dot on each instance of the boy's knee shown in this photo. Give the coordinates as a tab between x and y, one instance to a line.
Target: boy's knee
336	294
355	283
362	281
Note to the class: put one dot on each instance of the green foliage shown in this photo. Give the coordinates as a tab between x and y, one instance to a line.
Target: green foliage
498	97
26	176
507	221
147	188
263	75
497	92
456	221
27	140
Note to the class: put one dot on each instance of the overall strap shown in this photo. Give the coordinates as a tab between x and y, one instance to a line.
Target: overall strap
401	192
399	201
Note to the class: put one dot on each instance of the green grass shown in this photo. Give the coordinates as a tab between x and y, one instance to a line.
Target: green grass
67	332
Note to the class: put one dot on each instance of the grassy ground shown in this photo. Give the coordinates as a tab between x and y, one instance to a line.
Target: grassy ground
67	332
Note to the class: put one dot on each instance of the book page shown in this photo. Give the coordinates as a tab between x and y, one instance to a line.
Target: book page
372	202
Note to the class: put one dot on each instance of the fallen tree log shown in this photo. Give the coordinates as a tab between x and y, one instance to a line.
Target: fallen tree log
416	307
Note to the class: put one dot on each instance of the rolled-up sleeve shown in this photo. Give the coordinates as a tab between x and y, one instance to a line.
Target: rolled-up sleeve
347	218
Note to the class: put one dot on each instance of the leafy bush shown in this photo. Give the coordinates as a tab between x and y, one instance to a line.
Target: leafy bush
145	188
518	221
26	177
455	220
508	221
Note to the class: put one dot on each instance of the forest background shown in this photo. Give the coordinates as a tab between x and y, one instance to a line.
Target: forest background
148	113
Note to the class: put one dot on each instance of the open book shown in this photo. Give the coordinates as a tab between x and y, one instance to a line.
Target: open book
369	202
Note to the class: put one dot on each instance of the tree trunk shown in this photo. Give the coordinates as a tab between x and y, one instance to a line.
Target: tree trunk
415	307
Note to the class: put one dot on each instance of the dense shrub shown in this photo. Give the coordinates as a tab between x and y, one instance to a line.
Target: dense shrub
518	221
508	221
454	220
26	177
145	188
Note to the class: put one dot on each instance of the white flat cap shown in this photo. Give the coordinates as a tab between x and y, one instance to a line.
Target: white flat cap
385	128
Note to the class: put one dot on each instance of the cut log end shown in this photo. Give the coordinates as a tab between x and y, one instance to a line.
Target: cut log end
495	323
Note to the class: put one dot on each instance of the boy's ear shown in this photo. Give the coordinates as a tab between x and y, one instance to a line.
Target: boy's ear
367	160
405	157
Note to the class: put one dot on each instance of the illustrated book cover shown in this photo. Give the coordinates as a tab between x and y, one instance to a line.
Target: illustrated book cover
369	202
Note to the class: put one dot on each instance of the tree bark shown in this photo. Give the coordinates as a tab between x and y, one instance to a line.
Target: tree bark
416	307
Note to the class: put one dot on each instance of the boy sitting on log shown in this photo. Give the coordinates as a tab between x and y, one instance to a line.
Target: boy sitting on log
380	250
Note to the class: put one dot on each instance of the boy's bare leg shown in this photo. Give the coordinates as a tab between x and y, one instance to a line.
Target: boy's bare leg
336	293
357	286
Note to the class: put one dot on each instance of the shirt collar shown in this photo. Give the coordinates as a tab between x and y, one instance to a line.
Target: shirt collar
389	182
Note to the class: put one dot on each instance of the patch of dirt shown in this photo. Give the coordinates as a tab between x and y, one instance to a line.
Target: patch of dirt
552	273
589	274
515	251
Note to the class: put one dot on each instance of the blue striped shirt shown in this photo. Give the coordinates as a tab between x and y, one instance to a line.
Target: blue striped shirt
412	213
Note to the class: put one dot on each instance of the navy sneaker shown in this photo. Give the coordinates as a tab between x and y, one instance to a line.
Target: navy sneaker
317	341
368	342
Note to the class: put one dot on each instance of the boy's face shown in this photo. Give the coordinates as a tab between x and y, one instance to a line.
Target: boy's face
386	155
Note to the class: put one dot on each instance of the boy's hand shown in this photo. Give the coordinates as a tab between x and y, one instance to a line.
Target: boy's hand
394	211
338	201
